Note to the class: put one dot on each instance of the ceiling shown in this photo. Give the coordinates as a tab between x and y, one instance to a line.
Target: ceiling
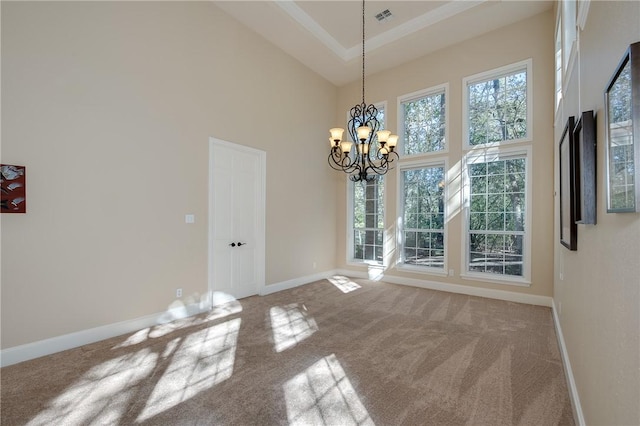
326	35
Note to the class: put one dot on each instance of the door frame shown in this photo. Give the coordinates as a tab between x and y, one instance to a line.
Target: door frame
260	244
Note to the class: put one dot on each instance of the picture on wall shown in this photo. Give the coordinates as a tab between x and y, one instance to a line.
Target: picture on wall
584	136
568	227
13	187
622	117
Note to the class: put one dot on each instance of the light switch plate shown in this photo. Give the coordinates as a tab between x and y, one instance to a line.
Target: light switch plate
189	218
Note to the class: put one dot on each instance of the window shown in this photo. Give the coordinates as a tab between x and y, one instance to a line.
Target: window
424	120
497	105
365	209
423	216
368	220
558	64
569	33
571	15
497	192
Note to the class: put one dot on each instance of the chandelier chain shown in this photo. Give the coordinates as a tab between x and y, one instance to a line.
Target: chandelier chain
373	149
363	52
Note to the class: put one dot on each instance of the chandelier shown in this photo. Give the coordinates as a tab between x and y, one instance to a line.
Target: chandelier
374	148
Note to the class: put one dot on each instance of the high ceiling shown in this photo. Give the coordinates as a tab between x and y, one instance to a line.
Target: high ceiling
326	35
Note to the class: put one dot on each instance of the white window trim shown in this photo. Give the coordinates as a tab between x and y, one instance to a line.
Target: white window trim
561	89
484	155
412	97
566	76
351	261
569	52
487	75
583	13
411	164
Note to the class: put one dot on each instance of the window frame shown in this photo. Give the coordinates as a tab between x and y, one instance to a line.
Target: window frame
583	13
559	72
486	155
439	161
401	119
568	16
526	65
351	260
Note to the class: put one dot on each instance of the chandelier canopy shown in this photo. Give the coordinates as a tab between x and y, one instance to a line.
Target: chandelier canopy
374	148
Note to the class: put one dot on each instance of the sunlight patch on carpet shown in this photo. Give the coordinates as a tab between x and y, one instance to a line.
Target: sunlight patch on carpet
223	305
344	284
225	309
323	395
135	339
102	394
291	324
199	362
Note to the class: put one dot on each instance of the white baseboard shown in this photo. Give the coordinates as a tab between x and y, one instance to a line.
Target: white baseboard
296	282
40	348
578	415
52	345
510	296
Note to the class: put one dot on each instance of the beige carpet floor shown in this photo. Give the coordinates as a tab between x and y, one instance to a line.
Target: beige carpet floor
328	353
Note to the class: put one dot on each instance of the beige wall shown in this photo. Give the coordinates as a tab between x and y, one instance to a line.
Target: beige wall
599	295
110	106
532	38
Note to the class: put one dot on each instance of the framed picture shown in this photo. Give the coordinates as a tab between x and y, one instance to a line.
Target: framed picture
568	227
13	182
622	118
584	135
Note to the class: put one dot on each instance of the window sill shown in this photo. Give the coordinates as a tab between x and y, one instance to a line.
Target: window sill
421	156
514	281
367	263
498	144
422	270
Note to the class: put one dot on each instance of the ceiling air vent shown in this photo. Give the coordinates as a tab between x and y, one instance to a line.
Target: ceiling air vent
385	15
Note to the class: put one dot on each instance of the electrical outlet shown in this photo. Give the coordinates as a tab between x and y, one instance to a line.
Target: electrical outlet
561	276
315	265
451	272
179	292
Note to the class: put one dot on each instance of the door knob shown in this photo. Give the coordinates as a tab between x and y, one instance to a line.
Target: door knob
241	244
232	244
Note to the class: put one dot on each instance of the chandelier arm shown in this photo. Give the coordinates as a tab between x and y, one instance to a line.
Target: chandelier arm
339	163
394	154
385	164
332	162
386	157
343	163
353	167
370	115
378	170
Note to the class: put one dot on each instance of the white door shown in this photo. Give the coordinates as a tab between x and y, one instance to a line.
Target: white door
237	217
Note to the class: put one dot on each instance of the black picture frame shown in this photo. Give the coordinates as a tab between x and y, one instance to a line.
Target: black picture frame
584	135
568	226
622	128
